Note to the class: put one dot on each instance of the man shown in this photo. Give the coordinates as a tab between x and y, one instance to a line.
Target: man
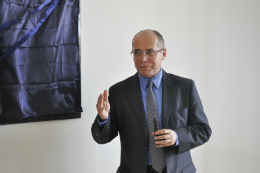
151	96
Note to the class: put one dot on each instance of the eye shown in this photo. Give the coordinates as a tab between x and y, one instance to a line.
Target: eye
137	52
149	52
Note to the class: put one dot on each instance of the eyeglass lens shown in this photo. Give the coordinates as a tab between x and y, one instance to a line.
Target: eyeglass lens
147	53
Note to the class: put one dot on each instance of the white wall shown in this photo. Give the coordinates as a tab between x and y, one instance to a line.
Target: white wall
215	43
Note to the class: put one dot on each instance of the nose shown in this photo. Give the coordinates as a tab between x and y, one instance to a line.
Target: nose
143	57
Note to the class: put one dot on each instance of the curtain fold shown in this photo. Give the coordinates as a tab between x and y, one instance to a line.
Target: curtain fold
41	79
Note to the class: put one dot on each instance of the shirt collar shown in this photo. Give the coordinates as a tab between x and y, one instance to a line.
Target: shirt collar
157	79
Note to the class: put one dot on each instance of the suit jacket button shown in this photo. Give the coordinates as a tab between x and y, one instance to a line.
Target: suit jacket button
97	134
145	148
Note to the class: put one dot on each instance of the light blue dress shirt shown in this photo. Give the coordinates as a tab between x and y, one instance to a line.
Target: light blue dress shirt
157	89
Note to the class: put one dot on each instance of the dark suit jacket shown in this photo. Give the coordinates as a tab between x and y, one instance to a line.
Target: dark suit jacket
182	112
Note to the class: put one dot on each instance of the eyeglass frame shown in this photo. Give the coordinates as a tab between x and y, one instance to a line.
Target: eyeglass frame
145	53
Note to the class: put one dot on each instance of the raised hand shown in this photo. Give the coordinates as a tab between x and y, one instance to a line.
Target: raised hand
103	105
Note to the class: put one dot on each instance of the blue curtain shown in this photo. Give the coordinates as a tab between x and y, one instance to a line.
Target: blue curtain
41	79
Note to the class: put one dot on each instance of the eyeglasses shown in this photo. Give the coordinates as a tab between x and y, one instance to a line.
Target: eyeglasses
149	54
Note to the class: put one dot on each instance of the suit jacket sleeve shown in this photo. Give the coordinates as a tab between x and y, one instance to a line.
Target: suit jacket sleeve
110	130
197	130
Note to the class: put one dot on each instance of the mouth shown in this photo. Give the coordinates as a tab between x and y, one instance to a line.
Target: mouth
144	66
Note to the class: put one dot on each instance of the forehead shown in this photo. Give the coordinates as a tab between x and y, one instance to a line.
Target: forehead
145	40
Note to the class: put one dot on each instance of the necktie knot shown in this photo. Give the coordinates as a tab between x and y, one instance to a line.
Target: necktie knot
150	84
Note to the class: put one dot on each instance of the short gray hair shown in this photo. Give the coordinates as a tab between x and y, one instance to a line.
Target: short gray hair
158	35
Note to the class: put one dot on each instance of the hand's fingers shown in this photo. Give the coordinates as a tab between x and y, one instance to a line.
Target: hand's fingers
98	101
99	97
105	95
100	104
163	142
106	102
163	137
162	131
160	146
102	101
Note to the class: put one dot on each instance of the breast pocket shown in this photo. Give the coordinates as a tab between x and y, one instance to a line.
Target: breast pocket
178	118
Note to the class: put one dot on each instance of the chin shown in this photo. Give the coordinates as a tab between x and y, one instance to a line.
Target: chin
145	72
146	75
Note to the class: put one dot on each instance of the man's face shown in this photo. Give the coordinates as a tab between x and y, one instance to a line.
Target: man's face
148	68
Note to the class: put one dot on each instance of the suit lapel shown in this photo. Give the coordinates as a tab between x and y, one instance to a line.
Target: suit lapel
168	95
135	98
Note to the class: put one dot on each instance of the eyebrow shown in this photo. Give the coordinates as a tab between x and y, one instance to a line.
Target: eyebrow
145	50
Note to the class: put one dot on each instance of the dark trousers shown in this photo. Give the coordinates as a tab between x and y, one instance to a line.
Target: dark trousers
151	170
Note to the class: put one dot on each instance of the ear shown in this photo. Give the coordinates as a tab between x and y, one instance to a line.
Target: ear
164	53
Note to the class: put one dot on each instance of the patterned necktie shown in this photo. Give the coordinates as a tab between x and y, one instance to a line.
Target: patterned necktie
158	162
